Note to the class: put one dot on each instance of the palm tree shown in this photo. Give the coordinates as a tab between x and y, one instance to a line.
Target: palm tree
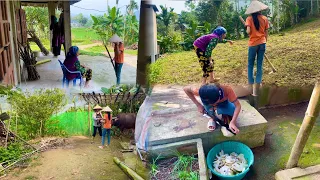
166	16
131	7
131	30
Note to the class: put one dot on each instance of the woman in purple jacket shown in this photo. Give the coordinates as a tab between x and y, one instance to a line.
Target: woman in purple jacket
204	46
73	64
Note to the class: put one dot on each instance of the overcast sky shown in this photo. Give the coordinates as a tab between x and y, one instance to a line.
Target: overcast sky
101	5
84	6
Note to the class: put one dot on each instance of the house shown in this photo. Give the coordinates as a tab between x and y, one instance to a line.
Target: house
13	33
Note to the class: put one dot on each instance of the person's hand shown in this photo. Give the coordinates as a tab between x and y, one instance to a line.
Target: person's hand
233	127
211	63
231	42
201	109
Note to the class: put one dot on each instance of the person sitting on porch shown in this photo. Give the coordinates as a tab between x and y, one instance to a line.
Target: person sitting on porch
216	97
73	64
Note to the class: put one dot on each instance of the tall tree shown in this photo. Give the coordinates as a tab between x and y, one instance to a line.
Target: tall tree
38	20
131	7
81	19
108	24
166	16
207	11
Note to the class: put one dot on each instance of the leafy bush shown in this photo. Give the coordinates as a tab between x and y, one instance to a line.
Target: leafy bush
170	42
122	107
192	32
35	109
115	131
13	152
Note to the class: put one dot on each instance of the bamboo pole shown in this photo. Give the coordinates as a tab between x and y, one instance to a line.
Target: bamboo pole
132	174
16	122
89	118
306	126
7	136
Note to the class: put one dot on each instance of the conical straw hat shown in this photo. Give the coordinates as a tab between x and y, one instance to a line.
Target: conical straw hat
107	109
256	6
97	107
115	38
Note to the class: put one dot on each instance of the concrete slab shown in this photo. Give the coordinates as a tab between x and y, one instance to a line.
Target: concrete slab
310	173
189	147
175	118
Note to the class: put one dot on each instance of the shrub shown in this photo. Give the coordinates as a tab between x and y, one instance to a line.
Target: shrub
35	109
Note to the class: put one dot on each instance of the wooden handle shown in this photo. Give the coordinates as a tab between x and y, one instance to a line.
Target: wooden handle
242	20
272	67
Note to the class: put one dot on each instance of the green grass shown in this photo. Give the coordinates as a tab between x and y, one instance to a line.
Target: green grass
294	55
84	33
100	50
131	52
77	42
90	53
45	42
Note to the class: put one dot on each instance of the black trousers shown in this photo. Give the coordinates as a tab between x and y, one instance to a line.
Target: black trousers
95	131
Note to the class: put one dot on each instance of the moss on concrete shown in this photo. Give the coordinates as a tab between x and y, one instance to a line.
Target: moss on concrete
289	131
264	97
295	94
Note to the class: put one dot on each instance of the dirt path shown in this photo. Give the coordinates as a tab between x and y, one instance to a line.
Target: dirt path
89	45
82	161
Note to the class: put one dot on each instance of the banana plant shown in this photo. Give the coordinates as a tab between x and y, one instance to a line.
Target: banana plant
108	24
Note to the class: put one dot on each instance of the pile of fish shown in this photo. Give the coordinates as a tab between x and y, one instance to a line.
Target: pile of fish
231	165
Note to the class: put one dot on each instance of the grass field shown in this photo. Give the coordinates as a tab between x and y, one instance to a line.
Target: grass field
295	55
84	34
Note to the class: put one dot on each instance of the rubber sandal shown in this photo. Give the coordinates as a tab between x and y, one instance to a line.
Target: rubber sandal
212	124
101	147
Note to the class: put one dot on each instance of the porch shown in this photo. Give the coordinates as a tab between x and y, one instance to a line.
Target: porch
103	73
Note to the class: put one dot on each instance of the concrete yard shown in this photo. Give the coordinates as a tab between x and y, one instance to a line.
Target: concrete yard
175	118
102	73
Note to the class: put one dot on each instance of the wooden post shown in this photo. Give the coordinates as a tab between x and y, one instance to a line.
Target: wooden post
8	129
89	109
52	12
306	126
67	24
278	16
16	122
